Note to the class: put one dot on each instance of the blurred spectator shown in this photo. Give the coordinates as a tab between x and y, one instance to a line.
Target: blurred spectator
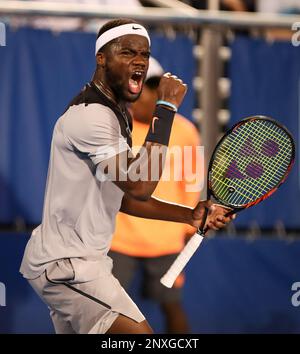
154	244
58	24
278	7
226	5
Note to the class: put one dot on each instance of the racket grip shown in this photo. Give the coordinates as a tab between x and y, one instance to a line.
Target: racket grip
182	259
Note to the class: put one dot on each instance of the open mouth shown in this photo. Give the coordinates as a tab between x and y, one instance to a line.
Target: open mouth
136	82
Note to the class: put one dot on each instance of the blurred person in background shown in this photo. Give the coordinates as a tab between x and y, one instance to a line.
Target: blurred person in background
259	6
59	24
228	5
278	7
152	244
225	5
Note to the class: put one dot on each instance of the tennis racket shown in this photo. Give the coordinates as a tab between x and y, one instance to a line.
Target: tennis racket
248	164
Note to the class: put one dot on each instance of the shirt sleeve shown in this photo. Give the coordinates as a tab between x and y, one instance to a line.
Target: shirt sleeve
94	130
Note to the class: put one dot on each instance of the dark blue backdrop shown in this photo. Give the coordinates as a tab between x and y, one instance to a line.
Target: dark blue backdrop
266	80
233	286
39	74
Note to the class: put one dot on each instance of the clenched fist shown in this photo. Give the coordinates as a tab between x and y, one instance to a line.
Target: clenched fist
171	89
216	217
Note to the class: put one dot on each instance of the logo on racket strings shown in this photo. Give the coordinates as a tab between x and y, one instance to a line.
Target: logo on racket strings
254	169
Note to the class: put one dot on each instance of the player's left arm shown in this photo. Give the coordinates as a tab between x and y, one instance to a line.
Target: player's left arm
155	208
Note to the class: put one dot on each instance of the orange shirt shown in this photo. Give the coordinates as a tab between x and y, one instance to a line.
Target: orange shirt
151	238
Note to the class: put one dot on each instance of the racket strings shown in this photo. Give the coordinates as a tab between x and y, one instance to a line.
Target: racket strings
250	161
254	189
275	169
256	159
267	175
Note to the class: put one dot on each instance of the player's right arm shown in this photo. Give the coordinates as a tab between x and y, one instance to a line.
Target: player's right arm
94	132
158	209
139	176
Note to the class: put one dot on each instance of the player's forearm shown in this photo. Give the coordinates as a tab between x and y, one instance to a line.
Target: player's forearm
144	171
148	166
151	158
157	209
139	176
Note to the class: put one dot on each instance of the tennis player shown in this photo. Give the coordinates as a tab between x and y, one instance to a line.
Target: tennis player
91	176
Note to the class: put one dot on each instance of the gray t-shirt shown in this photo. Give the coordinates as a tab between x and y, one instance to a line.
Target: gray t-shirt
79	210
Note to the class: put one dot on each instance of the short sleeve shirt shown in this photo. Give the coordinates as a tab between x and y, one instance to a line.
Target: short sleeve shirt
79	209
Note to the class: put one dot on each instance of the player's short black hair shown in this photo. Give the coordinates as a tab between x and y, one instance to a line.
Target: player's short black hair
112	24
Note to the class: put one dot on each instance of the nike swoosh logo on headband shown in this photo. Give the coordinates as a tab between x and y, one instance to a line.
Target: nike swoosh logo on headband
136	28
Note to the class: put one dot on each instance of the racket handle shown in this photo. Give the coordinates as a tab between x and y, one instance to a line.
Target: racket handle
182	259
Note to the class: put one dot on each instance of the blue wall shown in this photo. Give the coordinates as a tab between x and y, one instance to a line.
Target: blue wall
233	286
39	74
266	80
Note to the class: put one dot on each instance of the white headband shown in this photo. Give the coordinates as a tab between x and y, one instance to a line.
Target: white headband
130	28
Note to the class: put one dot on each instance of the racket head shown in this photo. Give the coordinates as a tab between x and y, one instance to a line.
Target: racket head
250	162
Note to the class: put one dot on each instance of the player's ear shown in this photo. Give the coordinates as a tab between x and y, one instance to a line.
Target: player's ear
100	59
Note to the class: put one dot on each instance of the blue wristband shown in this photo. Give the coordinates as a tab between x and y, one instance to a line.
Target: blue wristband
168	104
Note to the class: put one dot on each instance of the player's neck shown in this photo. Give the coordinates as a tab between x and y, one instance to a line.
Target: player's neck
107	92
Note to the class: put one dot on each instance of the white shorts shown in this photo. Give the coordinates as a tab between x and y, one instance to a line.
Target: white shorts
83	296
